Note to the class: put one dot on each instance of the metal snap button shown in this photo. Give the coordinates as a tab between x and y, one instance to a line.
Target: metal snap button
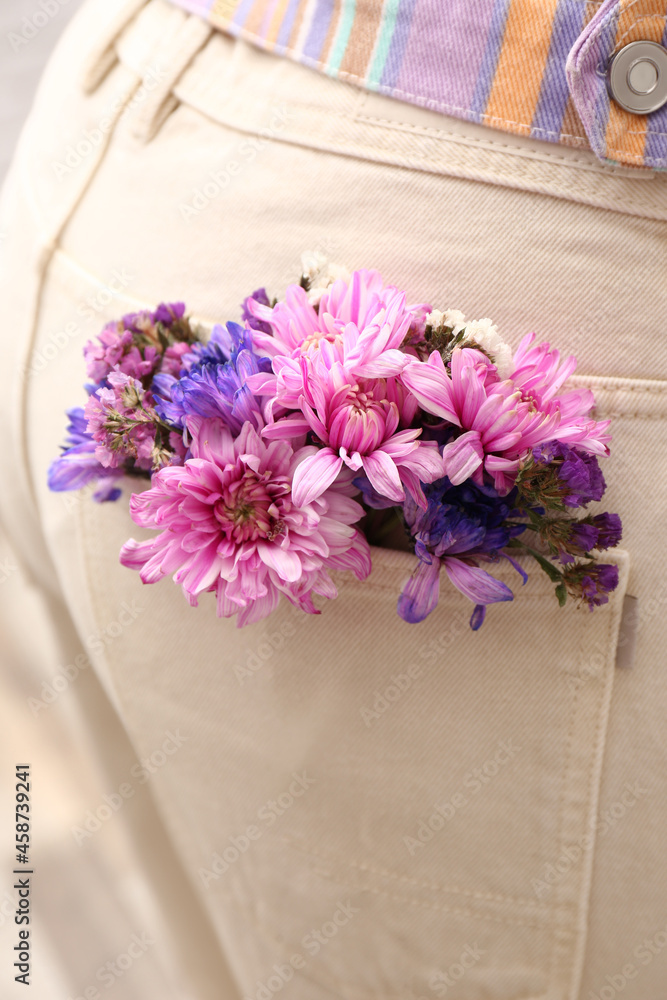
637	77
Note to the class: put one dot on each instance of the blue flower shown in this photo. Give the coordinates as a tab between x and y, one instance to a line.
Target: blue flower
216	385
460	525
224	344
461	519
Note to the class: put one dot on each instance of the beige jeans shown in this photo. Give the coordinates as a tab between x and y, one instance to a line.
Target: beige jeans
344	806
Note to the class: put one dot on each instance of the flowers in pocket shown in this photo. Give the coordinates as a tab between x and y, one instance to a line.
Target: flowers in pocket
279	447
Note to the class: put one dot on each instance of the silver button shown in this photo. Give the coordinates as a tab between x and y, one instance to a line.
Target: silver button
637	77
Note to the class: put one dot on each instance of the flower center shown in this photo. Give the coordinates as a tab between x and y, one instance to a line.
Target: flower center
359	420
315	339
246	510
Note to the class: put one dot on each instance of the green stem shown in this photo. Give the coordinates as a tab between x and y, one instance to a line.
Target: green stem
552	571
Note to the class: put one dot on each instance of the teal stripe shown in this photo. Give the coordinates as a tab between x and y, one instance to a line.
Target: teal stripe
342	37
384	42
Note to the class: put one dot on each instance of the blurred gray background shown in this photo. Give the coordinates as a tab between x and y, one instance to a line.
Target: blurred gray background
29	29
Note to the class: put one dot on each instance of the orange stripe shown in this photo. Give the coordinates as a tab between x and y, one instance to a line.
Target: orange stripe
360	43
294	34
253	21
222	12
276	21
626	133
331	31
572	131
521	64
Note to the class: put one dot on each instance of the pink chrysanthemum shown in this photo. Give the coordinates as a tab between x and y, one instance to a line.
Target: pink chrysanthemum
501	421
377	312
230	525
358	423
339	367
539	375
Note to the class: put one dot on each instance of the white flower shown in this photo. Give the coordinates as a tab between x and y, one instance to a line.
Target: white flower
455	319
484	333
435	319
320	274
452	318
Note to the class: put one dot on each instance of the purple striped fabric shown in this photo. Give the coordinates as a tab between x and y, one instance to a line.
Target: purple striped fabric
533	67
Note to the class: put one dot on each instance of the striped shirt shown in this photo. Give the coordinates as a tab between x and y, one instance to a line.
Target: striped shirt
533	67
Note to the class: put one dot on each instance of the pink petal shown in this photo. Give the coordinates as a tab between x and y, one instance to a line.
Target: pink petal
212	441
432	387
259	608
357	558
262	383
285	428
388	364
413	485
314	475
425	461
135	554
462	457
224	607
383	474
285	562
201	571
496	463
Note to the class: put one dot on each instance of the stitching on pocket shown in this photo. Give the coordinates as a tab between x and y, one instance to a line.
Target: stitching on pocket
362	866
571	931
425	904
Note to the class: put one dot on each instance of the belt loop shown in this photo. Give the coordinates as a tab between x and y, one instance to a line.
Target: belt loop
168	65
102	54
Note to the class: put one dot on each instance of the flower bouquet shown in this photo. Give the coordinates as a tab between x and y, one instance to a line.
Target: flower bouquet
278	446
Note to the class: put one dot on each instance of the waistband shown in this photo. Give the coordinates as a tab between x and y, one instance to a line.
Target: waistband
243	87
534	68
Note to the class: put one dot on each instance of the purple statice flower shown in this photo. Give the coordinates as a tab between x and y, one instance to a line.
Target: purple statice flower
215	388
578	472
132	345
584	536
166	313
460	526
78	464
122	422
172	359
609	529
577	538
581	538
591	582
102	356
260	296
